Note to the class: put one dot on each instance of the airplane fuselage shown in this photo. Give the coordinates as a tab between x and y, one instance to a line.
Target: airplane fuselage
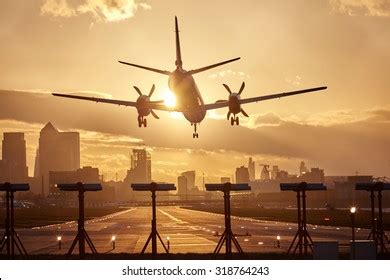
188	98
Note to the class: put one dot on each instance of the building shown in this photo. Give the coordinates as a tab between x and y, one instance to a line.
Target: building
251	169
242	175
87	174
315	175
13	166
3	171
141	167
225	180
345	193
190	176
182	187
302	168
265	174
58	151
274	172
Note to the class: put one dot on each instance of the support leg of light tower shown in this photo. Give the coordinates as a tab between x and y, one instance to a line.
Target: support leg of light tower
372	234
82	234
381	233
228	236
11	239
5	241
377	233
154	233
302	239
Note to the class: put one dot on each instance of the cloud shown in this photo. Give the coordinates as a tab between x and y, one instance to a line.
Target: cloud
101	10
57	8
229	74
260	120
336	140
296	81
379	8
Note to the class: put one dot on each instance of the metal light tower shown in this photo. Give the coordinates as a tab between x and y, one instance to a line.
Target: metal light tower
10	238
153	188
228	236
304	241
377	232
82	234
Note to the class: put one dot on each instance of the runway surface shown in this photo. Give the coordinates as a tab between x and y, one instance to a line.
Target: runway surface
189	231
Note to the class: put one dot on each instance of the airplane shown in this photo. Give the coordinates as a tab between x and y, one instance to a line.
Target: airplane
187	98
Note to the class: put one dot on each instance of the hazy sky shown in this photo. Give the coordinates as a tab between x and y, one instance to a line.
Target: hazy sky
73	46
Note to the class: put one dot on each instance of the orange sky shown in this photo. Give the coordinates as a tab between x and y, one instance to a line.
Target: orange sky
73	45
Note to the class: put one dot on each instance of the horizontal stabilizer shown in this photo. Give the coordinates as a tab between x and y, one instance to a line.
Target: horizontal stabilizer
164	72
195	71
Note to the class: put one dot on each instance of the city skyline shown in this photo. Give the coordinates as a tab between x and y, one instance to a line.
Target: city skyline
334	130
66	145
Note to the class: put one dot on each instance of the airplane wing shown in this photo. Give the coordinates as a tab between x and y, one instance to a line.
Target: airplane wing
155	105
221	104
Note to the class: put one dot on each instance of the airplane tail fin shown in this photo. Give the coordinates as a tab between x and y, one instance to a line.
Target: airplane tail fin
179	62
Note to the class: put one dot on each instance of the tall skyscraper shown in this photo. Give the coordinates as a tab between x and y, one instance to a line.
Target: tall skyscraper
14	157
141	167
265	174
182	187
274	172
302	168
58	151
242	175
190	176
251	169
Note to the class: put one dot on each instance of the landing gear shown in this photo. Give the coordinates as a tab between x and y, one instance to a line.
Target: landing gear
142	122
234	120
195	134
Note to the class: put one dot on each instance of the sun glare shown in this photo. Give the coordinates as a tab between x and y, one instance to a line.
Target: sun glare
169	99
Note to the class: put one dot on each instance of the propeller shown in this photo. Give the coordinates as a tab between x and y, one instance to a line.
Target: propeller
232	93
239	92
140	93
150	94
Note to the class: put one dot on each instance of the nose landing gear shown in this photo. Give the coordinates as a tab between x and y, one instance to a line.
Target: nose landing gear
195	134
142	121
234	120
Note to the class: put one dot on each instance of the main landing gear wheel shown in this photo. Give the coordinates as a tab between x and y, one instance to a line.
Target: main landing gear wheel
195	134
234	120
142	122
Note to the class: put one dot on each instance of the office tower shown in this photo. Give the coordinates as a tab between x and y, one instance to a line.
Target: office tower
302	168
182	187
141	167
251	169
58	151
14	157
265	174
274	172
242	175
190	176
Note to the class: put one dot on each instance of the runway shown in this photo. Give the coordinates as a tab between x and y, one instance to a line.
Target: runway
189	231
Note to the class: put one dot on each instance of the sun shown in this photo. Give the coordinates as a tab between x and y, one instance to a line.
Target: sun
169	99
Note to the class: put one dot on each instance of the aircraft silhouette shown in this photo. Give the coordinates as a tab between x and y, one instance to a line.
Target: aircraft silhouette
188	98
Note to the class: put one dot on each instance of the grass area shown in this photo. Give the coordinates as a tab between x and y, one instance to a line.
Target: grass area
316	217
33	217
